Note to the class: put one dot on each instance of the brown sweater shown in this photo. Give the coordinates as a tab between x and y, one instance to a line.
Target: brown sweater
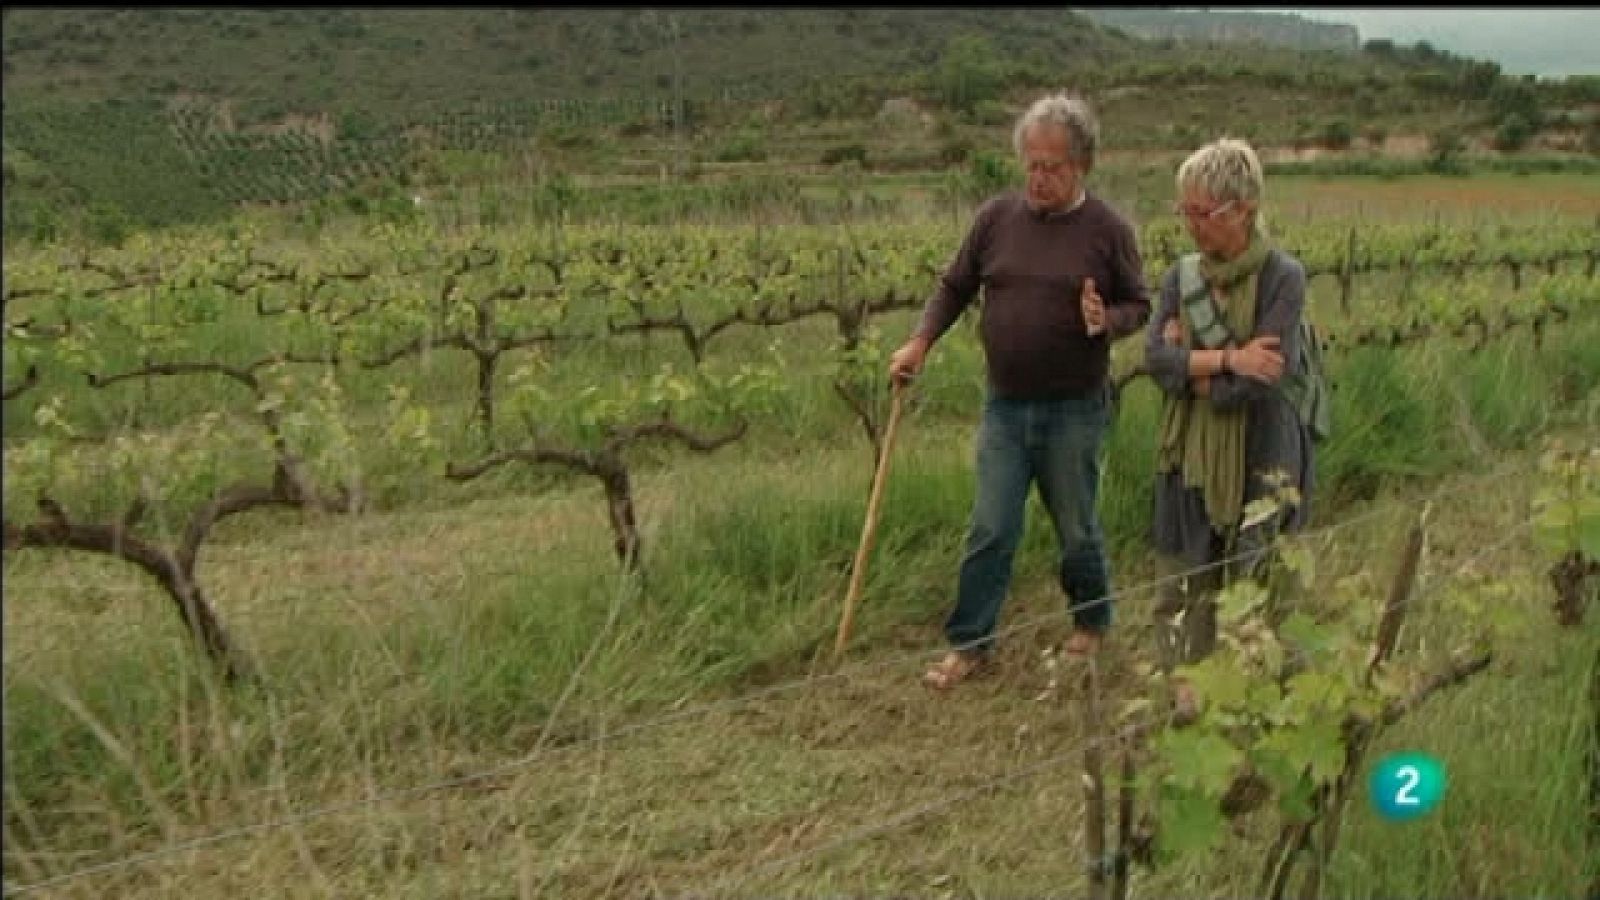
1032	266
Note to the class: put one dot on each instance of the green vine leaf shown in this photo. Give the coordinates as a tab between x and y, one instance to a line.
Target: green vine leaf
1190	823
1201	761
1292	789
1219	682
1239	600
1316	745
1308	638
1298	559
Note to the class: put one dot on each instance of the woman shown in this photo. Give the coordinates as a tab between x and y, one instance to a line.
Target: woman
1217	346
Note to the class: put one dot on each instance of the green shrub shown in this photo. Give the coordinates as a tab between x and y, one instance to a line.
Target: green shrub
746	146
842	152
1445	149
991	172
1337	134
1513	133
955	152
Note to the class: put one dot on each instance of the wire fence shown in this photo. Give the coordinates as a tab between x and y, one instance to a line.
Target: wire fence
541	753
1139	722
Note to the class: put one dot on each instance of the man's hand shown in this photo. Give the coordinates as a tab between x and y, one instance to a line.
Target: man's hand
907	361
1094	309
1258	359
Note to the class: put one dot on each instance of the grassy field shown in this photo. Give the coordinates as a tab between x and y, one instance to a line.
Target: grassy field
418	648
461	697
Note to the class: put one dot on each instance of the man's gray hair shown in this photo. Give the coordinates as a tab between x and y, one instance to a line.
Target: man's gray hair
1226	169
1073	114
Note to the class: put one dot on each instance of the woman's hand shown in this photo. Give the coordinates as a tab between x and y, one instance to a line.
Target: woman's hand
1172	332
1259	359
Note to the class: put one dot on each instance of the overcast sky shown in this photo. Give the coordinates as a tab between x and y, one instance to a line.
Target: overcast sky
1551	41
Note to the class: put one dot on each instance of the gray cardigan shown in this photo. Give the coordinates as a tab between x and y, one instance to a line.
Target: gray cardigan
1275	437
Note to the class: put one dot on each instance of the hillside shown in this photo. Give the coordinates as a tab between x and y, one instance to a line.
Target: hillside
397	66
117	120
1229	27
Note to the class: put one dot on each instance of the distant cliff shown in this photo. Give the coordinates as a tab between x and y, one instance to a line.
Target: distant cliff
1279	29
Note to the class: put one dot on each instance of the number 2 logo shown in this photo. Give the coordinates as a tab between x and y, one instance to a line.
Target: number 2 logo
1407	785
1411	777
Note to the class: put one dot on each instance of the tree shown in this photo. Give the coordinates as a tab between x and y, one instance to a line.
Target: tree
968	72
1520	98
1337	134
1479	78
1445	149
1513	133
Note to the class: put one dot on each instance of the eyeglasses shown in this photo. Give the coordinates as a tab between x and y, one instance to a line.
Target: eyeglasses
1047	166
1190	212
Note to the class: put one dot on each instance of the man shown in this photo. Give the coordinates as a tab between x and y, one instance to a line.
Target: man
1062	278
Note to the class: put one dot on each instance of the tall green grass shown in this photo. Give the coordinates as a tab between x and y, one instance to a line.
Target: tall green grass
1514	743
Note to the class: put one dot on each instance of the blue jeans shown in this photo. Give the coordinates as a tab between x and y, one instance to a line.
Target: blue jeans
1055	443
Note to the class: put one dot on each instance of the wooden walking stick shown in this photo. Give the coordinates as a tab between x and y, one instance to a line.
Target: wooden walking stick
869	527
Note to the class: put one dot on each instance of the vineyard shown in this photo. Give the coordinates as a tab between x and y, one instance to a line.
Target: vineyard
483	535
305	163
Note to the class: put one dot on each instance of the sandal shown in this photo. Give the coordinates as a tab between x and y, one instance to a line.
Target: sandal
953	669
1083	643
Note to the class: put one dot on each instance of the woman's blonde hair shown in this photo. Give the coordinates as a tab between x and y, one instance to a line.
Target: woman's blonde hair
1226	169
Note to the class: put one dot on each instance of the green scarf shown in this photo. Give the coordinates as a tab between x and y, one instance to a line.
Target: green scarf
1205	444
